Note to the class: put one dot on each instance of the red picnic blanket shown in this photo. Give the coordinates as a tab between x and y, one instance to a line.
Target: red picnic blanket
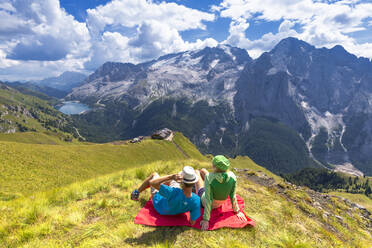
220	217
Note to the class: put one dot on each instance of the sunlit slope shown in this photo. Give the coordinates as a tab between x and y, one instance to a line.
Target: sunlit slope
20	113
361	199
99	213
48	138
96	210
25	168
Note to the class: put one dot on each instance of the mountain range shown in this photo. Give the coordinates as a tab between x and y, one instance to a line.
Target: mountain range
56	87
293	107
64	82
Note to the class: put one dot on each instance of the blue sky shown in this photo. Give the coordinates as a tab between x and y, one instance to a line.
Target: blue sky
43	38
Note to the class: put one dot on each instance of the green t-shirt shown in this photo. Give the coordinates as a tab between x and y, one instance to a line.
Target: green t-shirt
218	186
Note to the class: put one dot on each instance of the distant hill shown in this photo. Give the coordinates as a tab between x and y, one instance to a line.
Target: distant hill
64	82
43	92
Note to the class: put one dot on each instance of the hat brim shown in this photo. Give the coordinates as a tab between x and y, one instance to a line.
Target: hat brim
190	182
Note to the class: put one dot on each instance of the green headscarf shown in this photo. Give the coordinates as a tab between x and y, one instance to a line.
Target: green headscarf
221	162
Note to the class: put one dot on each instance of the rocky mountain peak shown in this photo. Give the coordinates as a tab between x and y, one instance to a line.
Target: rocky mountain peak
114	71
205	74
292	46
224	53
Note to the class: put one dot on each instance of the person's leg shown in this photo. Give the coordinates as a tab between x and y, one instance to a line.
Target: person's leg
146	183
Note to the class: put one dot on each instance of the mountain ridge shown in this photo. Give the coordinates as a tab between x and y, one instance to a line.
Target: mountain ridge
181	73
64	82
320	93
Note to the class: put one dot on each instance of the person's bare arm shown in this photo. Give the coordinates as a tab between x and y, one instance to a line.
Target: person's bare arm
155	183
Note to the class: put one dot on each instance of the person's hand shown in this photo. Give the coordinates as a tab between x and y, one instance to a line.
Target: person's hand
241	216
204	225
177	177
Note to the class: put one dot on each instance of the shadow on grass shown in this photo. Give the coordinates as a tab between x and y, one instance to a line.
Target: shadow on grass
143	202
158	235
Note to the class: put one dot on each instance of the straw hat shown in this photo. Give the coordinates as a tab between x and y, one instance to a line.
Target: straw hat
189	175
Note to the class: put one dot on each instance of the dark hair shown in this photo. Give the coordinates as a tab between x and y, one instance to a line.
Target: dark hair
188	185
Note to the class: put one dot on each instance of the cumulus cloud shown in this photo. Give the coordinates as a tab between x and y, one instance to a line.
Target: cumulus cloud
39	39
237	32
40	34
112	46
33	34
133	12
323	23
45	48
157	30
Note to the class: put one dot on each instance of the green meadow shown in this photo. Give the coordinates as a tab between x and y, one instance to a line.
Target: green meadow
79	196
26	167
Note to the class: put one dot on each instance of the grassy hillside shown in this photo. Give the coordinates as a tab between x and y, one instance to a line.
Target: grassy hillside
99	213
49	138
357	198
26	168
21	112
96	210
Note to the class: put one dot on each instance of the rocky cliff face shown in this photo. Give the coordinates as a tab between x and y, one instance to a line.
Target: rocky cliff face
295	100
321	93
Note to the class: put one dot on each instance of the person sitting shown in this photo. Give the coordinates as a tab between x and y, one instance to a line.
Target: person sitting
169	197
215	187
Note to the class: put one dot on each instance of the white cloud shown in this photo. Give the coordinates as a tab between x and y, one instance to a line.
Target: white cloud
156	26
130	13
322	23
38	38
35	70
237	32
112	46
6	6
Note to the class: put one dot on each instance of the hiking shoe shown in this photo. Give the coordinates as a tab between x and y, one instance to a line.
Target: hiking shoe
135	195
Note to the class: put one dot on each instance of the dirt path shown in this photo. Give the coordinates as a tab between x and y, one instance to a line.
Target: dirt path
170	138
77	131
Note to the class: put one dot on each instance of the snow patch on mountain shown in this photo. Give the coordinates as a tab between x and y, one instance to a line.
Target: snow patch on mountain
214	63
335	127
227	50
206	74
272	71
317	120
